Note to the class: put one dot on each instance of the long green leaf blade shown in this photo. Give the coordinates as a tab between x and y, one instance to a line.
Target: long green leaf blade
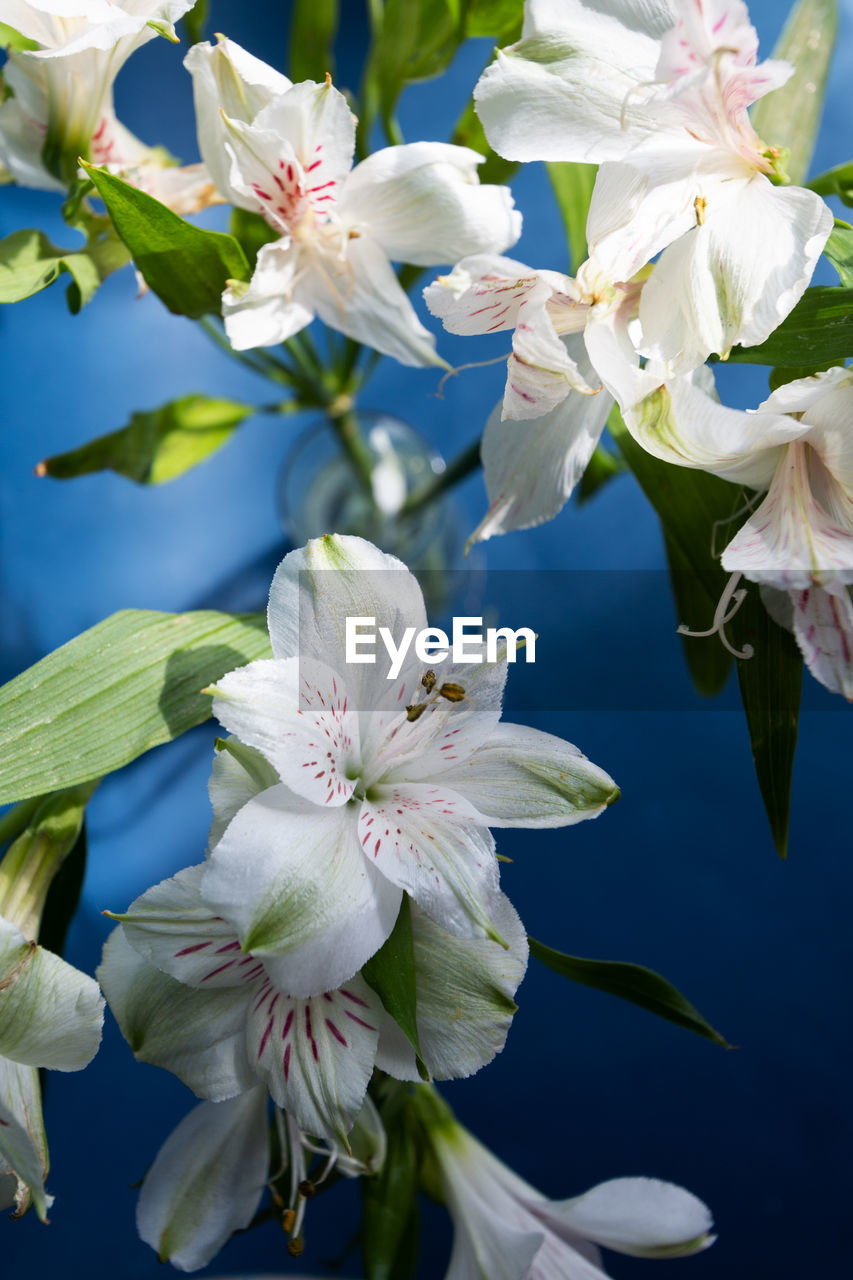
818	330
770	688
187	267
632	982
155	446
572	184
124	686
789	117
835	182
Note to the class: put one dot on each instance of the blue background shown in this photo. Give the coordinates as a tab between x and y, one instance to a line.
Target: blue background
681	875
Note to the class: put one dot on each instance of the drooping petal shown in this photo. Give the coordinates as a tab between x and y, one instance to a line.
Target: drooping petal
521	777
227	78
791	537
290	878
822	623
299	714
206	1181
541	371
266	313
464	997
351	286
639	1216
198	1035
51	1014
736	276
423	203
572	89
316	1056
422	839
531	468
23	1144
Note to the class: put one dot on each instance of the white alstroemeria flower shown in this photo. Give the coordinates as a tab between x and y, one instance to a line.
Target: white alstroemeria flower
797	447
658	95
50	1016
189	999
384	785
507	1230
61	106
820	618
288	155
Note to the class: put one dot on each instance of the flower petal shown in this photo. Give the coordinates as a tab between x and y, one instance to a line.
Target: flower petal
571	89
541	371
265	313
422	838
198	1035
300	716
352	288
823	628
486	294
227	78
206	1181
23	1144
423	203
465	989
291	879
238	773
315	590
639	1216
51	1014
521	777
316	1056
318	123
734	278
531	468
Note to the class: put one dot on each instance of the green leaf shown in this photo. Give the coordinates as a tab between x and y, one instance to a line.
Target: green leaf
469	133
631	982
839	250
195	21
63	896
690	504
313	28
29	263
817	331
155	446
391	974
835	182
14	41
788	117
573	185
186	267
114	692
389	1205
770	688
498	18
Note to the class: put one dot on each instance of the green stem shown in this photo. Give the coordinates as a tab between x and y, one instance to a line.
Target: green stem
346	428
462	466
29	865
259	362
12	822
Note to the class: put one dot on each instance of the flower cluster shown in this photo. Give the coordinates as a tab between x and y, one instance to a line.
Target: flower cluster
350	810
693	248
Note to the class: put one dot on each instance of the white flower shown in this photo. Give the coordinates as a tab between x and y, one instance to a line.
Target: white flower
797	448
507	1230
285	151
374	786
658	95
189	999
820	617
50	1016
61	104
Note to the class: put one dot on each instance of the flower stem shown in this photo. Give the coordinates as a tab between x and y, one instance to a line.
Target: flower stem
462	466
345	425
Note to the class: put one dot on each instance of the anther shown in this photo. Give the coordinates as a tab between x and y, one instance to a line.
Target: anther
452	692
415	711
428	681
